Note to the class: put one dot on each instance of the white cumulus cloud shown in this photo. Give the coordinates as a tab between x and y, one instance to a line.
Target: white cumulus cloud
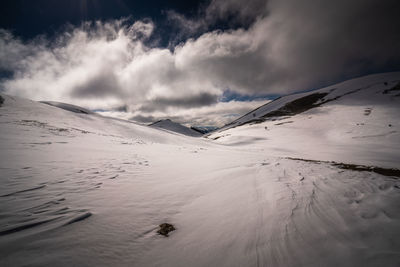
288	46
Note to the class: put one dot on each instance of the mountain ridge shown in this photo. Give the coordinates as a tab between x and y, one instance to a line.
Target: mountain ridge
275	108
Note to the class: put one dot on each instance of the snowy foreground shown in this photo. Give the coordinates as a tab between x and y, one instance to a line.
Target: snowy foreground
79	189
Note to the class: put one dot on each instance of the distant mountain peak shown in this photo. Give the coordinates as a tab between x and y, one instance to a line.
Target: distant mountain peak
169	125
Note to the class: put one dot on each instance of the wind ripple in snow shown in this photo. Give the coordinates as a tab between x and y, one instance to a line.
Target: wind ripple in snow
45	198
357	212
287	213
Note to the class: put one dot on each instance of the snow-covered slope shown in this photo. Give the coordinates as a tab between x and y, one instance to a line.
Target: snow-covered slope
356	121
80	189
172	126
374	89
68	107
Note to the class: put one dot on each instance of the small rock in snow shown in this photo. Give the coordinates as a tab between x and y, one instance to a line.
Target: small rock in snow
165	228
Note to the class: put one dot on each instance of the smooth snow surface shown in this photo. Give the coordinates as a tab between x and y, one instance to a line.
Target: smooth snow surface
84	190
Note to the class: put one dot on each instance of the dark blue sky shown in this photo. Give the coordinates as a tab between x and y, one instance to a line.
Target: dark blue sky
27	18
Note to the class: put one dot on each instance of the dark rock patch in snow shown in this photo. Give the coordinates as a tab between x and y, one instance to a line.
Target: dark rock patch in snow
1	100
291	108
297	106
379	170
354	167
394	89
165	228
367	111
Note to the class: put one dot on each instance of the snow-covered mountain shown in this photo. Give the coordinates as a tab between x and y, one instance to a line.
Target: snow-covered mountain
172	126
355	121
378	89
308	181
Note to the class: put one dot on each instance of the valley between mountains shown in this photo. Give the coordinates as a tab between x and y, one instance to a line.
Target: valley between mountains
309	179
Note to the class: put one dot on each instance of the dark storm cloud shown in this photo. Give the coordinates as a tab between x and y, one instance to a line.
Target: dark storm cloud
300	45
202	99
327	40
102	85
143	119
241	11
283	47
219	13
123	108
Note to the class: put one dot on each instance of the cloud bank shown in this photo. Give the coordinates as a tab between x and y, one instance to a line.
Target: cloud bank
285	47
